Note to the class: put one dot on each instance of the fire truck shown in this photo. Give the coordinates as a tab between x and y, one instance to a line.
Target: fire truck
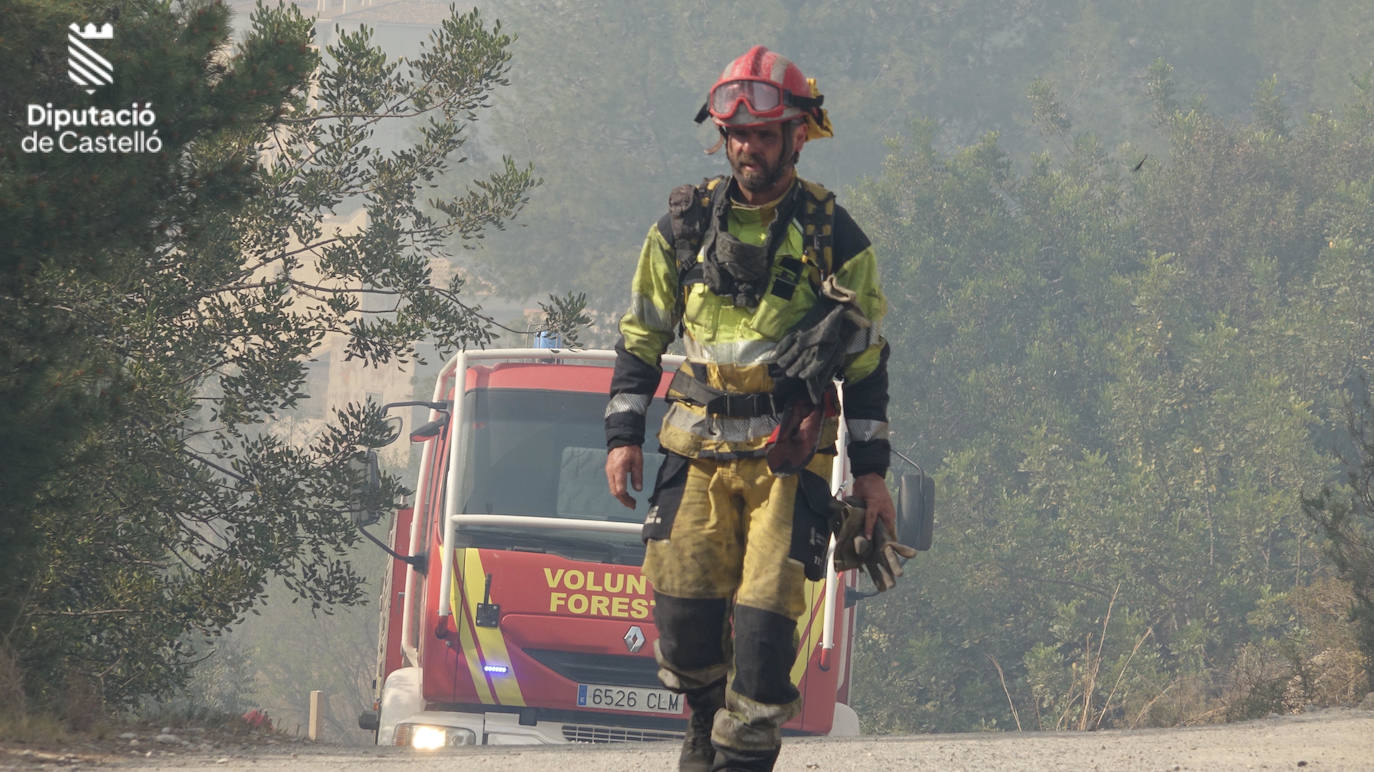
514	611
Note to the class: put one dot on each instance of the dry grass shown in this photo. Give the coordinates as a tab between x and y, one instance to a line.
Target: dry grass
17	723
1180	703
1081	713
82	709
41	730
1317	665
12	699
83	706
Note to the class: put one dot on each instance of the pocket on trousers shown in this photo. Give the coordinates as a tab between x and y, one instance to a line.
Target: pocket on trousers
667	496
811	523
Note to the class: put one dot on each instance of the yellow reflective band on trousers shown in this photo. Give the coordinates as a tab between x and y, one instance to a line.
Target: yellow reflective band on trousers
480	644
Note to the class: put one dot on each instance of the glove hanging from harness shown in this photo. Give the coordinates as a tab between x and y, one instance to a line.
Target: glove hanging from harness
813	351
798	434
881	558
807	359
796	438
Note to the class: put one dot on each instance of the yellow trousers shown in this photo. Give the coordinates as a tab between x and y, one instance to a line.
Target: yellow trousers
728	550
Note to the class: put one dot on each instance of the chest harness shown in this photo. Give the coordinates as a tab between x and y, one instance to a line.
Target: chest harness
740	272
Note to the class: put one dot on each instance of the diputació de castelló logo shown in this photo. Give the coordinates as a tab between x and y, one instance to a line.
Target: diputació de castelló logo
84	130
85	66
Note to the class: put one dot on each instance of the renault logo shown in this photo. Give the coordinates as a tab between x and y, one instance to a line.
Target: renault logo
634	639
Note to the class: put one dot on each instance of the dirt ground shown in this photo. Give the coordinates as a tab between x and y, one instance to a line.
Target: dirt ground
1333	739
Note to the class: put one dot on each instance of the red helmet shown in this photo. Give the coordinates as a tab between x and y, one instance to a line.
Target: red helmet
769	87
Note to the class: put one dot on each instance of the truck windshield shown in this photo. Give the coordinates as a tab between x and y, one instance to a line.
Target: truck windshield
542	453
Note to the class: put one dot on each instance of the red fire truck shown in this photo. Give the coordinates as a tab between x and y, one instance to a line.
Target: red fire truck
514	611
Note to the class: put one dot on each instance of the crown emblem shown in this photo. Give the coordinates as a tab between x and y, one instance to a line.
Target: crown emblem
85	67
92	32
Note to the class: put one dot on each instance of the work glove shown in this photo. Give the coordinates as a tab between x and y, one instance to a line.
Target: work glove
814	350
795	440
881	557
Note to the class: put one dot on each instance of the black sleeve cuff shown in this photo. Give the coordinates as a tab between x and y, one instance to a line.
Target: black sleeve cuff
866	399
869	457
632	375
625	428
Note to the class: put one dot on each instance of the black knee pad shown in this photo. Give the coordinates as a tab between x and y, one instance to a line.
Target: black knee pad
765	648
691	631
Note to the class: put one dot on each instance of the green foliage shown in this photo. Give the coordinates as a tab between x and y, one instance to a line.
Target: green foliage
1122	380
218	690
1345	516
1046	112
613	135
159	309
565	316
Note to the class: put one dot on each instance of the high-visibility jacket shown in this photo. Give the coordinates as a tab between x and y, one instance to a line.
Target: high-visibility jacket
729	348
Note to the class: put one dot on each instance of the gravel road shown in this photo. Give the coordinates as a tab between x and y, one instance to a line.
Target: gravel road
1335	739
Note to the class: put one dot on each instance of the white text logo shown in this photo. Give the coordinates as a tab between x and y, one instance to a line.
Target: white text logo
127	130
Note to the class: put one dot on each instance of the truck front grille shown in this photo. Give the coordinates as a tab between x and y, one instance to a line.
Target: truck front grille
584	668
587	733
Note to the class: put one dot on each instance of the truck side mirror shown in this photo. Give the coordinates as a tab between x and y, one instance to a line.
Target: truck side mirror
367	506
915	510
430	430
366	509
393	431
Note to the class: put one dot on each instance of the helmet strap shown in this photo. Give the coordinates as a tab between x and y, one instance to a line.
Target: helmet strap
789	150
720	142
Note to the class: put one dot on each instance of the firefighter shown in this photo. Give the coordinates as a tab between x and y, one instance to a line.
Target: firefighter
774	289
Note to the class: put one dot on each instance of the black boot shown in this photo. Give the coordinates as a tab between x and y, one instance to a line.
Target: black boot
697	753
731	760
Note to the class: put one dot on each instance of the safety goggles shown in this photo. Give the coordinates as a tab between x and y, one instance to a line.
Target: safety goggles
762	98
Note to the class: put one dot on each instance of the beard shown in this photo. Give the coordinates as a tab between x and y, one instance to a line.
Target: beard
761	176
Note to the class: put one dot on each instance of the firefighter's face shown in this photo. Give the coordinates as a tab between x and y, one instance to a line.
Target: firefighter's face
761	156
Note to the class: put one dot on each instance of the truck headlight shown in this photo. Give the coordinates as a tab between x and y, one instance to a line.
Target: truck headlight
427	737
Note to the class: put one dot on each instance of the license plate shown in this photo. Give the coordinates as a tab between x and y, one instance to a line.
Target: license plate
629	698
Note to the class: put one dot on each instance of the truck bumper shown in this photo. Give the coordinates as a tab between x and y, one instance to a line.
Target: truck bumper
404	721
434	729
